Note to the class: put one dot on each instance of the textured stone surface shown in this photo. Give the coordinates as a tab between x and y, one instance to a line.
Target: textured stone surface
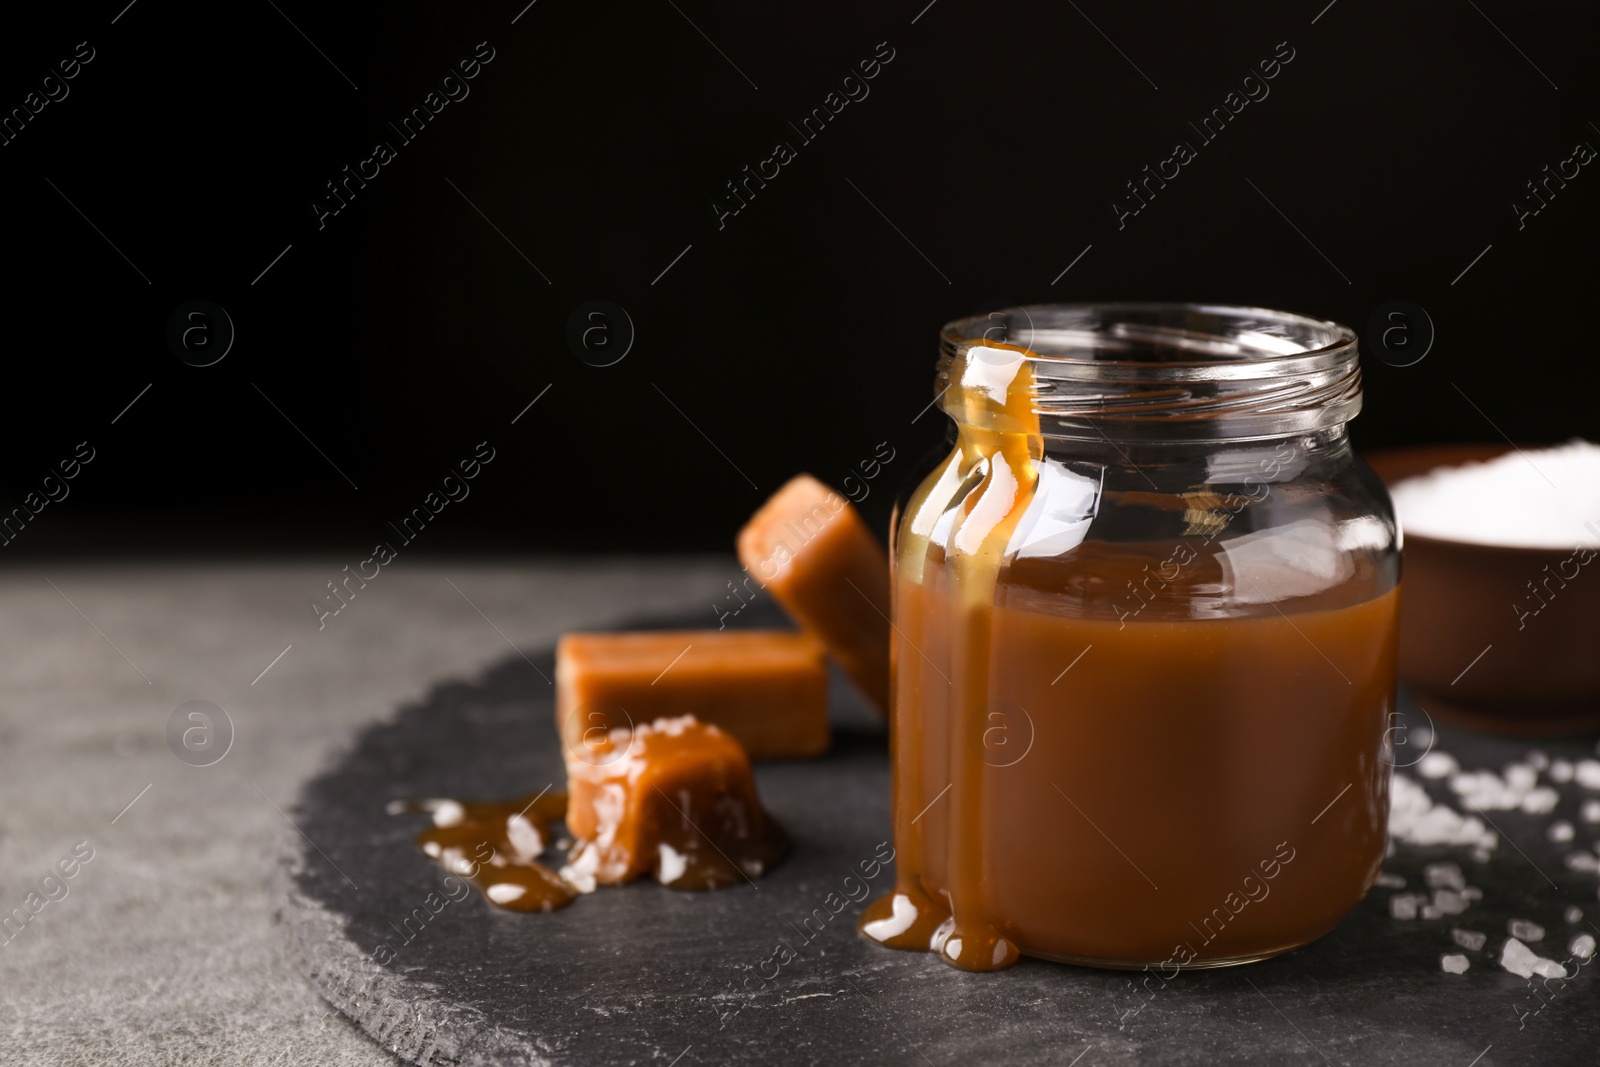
647	975
164	951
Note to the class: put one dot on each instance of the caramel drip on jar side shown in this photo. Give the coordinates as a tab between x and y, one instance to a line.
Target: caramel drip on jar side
969	508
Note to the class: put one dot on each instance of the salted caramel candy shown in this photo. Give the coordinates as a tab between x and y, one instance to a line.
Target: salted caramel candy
673	798
767	688
810	549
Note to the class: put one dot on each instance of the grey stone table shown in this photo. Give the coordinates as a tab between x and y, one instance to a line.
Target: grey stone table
163	949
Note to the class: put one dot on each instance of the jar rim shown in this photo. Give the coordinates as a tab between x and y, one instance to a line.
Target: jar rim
1168	371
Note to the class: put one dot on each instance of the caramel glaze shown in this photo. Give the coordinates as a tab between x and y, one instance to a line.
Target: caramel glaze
496	846
992	472
675	799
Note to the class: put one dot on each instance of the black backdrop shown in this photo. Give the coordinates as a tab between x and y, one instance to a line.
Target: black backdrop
375	347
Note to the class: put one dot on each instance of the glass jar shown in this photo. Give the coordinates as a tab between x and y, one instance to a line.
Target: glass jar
1144	643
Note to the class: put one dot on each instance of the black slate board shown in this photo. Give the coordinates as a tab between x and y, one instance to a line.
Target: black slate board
646	975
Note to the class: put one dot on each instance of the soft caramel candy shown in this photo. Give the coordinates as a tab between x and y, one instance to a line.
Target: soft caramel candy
812	552
766	688
674	798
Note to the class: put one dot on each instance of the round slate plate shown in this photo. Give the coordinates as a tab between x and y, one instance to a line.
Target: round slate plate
646	975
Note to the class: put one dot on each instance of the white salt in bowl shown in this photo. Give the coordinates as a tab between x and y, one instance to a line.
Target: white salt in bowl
1496	637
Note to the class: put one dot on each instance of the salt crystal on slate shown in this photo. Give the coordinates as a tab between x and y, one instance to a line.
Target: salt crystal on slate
1584	862
1437	765
1523	962
1541	800
1582	946
1443	875
1470	940
1454	963
1591	811
1574	914
505	892
1448	902
1415	819
1404	905
1391	881
1521	777
1487	790
1481	855
1587	773
1537	759
1561	830
1523	930
446	812
1472	892
1561	771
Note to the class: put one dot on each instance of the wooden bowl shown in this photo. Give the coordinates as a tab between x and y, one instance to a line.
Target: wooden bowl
1477	647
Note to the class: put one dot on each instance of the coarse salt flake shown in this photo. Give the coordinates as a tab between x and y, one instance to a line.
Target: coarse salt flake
1437	765
1523	962
1587	773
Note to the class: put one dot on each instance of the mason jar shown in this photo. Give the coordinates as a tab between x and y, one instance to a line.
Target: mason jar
1144	643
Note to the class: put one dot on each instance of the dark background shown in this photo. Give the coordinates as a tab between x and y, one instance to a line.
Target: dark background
433	308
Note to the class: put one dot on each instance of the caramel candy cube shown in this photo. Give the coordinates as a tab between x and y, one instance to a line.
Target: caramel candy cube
767	688
812	552
674	798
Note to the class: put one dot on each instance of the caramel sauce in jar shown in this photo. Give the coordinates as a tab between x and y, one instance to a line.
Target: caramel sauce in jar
1141	688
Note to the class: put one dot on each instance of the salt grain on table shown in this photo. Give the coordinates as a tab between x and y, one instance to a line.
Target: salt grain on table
1448	902
1521	777
1391	881
1415	819
1582	946
1537	759
1561	830
1443	876
1404	905
1583	862
1523	930
1523	962
1437	765
1591	811
1574	914
1587	773
1454	963
1561	771
1470	940
1540	800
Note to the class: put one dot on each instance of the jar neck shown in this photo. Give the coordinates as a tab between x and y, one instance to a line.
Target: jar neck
1222	458
1149	374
